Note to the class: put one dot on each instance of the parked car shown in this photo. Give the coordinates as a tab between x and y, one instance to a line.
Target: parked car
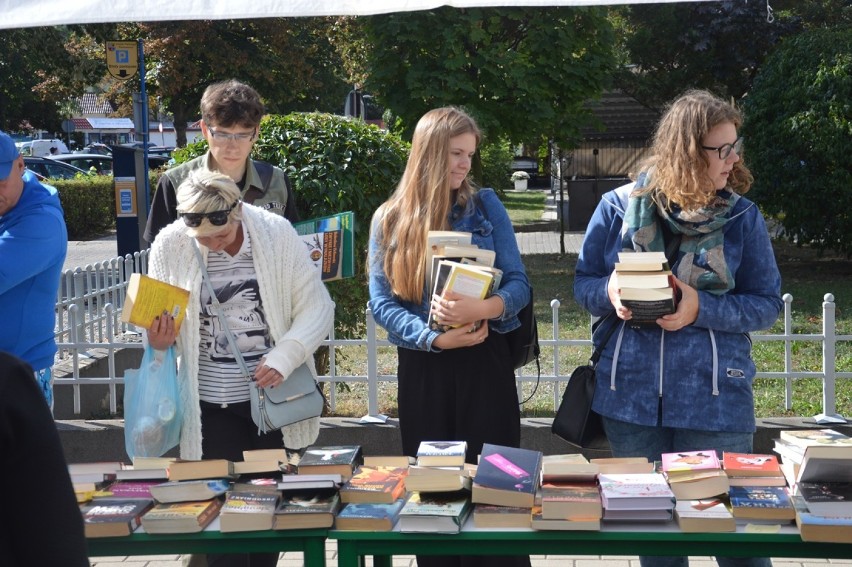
98	148
42	147
98	163
46	168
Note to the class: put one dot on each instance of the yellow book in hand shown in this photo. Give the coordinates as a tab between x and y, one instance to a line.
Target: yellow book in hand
148	298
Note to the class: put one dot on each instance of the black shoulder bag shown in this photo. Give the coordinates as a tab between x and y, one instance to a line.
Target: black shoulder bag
575	421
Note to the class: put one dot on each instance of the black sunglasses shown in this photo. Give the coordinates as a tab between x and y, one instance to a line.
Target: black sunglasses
216	218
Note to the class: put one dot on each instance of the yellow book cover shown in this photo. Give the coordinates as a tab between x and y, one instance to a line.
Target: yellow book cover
147	298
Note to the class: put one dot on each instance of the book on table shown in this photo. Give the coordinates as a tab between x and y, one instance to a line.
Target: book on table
813	527
266	455
441	453
699	484
258	466
826	463
201	469
389	460
507	476
331	459
181	517
638	515
539	522
572	467
113	517
306	509
623	465
127	489
248	509
491	516
147	298
133	473
368	516
437	479
832	499
752	469
309	481
570	500
99	473
648	293
761	503
808	437
709	515
330	243
435	512
641	491
374	484
187	490
687	462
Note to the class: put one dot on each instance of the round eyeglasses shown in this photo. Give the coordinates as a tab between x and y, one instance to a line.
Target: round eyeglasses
228	137
726	149
216	218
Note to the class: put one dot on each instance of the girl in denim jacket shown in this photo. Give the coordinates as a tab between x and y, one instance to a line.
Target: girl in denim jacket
684	383
457	384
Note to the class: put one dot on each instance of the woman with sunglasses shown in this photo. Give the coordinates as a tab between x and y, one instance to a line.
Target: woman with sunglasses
684	382
273	301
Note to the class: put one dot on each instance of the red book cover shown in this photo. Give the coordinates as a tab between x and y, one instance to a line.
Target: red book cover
750	464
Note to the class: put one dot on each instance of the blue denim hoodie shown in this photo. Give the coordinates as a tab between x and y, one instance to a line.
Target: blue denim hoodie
406	321
699	377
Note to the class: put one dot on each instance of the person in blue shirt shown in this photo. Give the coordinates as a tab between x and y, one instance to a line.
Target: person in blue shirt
684	382
458	384
33	243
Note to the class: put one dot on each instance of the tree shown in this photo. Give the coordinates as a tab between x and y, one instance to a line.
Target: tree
718	46
40	68
797	131
522	73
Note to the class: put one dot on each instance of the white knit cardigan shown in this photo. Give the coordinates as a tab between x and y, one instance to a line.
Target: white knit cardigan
295	301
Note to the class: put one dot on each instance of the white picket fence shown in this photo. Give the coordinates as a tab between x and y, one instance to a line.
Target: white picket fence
88	324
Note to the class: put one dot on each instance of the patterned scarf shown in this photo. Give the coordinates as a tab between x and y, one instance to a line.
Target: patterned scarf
701	255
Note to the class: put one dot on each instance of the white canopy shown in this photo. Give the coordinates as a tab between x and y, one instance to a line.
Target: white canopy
30	13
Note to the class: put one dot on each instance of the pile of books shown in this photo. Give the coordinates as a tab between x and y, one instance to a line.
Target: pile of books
818	466
569	498
505	485
454	265
693	475
646	285
640	497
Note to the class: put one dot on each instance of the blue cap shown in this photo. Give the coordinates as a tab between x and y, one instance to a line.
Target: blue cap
8	154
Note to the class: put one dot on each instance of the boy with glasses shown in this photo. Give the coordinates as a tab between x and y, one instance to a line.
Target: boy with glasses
230	118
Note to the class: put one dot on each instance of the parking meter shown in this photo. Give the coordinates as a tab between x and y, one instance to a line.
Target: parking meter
130	176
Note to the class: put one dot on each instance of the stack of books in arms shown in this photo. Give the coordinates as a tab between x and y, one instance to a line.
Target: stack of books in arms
636	497
822	493
646	285
569	498
455	265
693	475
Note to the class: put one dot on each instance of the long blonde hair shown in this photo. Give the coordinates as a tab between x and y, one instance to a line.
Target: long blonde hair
680	164
422	200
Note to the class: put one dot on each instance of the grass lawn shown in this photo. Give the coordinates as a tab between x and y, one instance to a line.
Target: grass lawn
805	276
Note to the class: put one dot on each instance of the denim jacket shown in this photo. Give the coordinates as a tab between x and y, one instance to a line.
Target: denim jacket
699	377
405	321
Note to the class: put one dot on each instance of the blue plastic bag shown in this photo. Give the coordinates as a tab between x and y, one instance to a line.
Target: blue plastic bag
152	410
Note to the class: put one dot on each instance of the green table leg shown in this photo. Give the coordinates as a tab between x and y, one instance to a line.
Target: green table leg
382	560
314	552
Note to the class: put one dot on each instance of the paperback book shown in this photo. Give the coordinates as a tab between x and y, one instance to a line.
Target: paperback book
443	513
813	527
568	468
832	499
441	453
197	470
188	490
331	459
148	298
437	239
309	481
648	293
761	503
114	517
247	510
181	517
307	509
368	517
435	479
374	484
710	515
490	516
330	243
571	501
752	469
539	522
507	476
644	491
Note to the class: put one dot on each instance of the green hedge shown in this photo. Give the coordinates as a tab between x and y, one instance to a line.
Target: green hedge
89	205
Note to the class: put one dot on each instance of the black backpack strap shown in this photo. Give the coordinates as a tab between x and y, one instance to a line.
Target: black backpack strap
265	171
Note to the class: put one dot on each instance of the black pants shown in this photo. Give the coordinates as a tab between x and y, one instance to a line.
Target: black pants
226	433
465	394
